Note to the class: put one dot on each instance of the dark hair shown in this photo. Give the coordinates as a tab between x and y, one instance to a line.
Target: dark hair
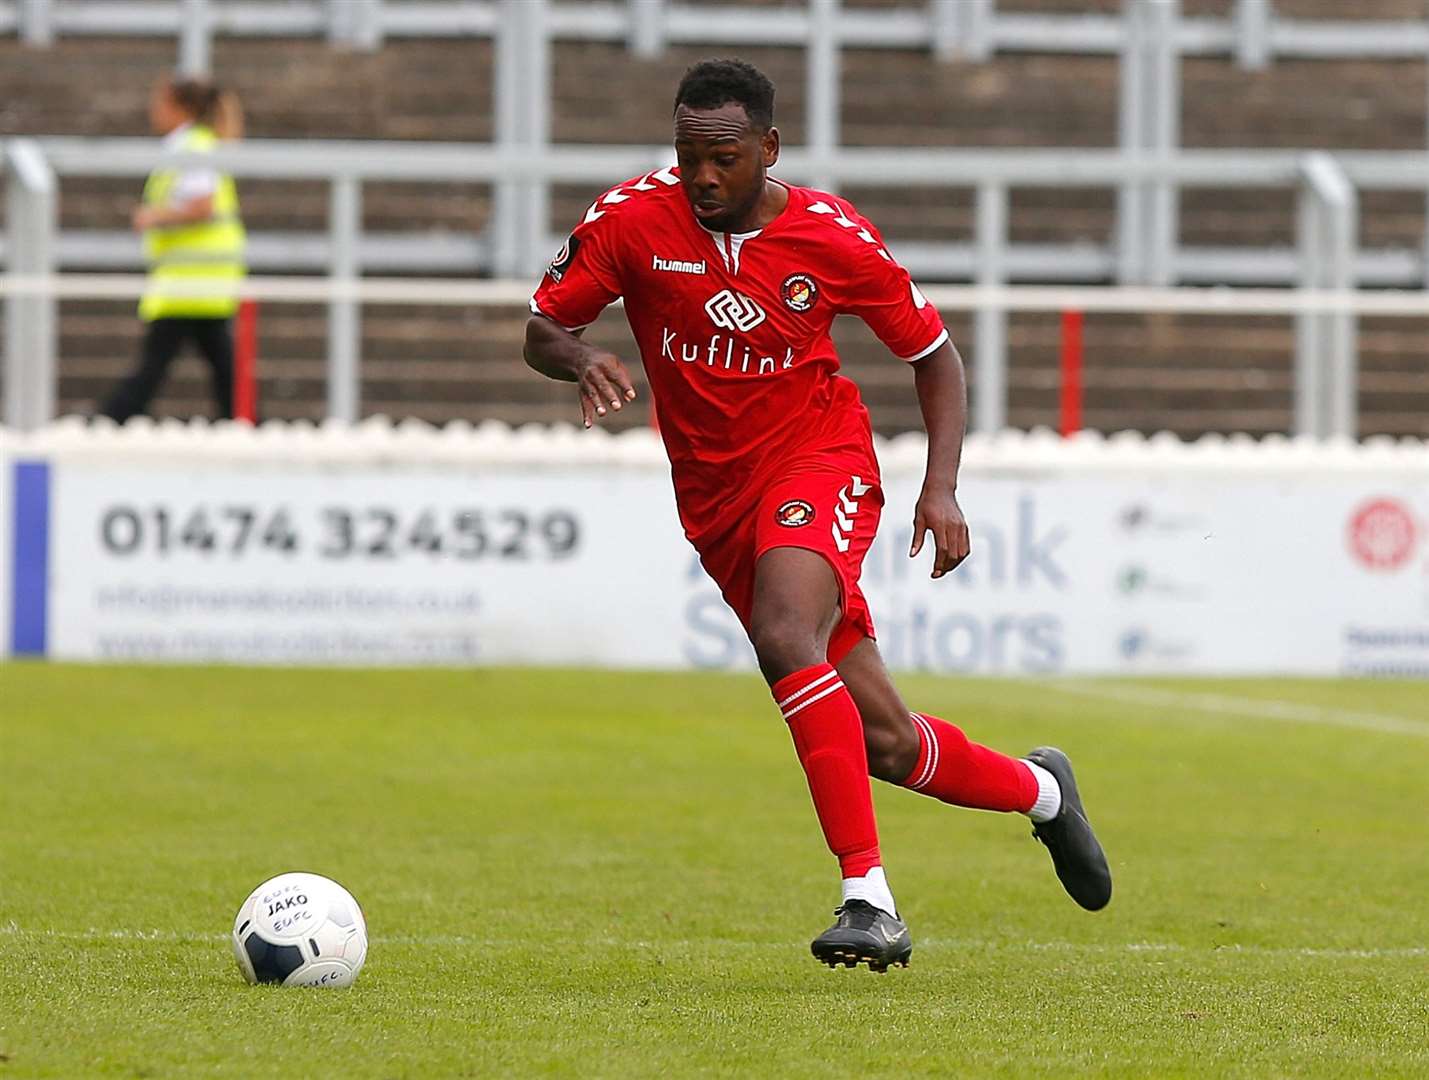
712	83
208	105
197	97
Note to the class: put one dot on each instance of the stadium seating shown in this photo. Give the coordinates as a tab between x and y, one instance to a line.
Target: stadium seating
1187	374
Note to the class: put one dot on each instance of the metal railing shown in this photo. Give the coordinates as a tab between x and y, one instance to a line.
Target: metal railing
1327	258
1328	398
1149	37
31	215
1326	356
1253	32
1147	171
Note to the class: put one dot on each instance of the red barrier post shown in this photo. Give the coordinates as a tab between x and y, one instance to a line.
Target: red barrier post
245	363
1071	372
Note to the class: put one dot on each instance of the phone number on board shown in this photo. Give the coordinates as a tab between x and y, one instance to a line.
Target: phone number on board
338	532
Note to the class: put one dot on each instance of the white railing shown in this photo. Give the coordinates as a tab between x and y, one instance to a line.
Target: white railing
32	213
1327	256
1149	37
1325	396
1253	32
449	292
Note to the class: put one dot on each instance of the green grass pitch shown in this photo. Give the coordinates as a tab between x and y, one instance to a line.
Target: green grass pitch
572	873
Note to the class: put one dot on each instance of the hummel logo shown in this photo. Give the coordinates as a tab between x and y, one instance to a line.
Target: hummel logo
733	311
676	266
844	511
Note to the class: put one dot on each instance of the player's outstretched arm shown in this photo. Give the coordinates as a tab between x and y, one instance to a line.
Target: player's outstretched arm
559	354
943	399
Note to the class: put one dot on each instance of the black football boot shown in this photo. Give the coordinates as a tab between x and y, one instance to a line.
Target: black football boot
1078	858
864	934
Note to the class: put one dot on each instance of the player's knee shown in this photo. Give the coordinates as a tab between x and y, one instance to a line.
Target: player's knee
892	749
784	645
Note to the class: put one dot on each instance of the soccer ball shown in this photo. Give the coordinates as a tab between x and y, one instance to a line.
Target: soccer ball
300	930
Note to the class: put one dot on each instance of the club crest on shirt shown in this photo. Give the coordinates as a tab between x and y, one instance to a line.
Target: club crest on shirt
567	255
799	292
794	513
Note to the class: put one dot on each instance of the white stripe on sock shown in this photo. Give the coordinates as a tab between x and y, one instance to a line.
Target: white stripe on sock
817	697
830	674
930	766
925	742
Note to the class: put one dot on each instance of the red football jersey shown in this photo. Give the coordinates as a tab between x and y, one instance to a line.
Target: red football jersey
733	329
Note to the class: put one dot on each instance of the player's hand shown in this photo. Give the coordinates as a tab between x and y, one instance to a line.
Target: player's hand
143	218
604	385
938	512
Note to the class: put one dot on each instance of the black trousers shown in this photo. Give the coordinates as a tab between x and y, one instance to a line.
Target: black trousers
162	342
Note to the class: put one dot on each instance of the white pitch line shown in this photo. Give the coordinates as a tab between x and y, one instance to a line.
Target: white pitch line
966	944
95	934
1290	712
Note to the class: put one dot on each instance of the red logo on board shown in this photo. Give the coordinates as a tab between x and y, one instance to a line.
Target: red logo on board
1382	534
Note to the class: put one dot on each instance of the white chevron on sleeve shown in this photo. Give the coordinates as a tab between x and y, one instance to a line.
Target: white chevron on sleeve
859	487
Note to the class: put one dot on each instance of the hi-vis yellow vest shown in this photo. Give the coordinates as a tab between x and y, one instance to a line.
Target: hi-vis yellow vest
206	251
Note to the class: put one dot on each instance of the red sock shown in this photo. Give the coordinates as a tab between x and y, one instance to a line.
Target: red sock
828	736
957	771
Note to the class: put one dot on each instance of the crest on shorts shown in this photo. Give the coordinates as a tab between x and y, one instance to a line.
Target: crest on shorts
794	513
567	255
799	292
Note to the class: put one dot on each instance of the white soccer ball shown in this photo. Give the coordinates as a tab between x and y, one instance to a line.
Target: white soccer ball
300	930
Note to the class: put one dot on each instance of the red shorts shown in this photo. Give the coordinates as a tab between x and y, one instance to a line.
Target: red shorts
834	513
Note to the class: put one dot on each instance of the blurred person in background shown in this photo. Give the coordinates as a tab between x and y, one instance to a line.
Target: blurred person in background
192	234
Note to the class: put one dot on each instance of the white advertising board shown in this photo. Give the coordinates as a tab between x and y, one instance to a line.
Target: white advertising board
389	565
1119	574
1136	566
